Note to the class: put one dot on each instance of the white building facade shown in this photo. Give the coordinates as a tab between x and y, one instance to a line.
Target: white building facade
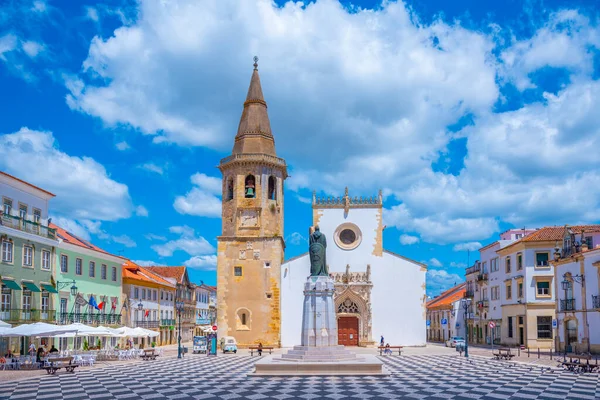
377	293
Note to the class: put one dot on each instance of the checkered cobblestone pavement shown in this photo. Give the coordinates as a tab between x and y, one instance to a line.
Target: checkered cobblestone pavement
225	377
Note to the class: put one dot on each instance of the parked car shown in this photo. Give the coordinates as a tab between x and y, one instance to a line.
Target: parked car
455	340
228	344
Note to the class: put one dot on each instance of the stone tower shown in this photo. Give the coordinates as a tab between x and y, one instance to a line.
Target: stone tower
251	248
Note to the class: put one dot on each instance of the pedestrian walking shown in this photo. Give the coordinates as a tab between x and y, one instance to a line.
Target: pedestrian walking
382	342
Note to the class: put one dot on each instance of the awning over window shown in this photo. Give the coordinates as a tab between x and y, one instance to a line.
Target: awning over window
31	286
49	288
9	283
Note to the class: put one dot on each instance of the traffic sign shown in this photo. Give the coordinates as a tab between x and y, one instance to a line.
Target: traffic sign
554	323
492	324
428	324
444	321
214	327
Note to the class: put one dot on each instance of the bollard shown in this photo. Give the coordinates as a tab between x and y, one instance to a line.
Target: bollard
527	352
519	351
550	354
538	352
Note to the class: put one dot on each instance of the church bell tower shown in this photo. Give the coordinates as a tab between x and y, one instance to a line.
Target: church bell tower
251	248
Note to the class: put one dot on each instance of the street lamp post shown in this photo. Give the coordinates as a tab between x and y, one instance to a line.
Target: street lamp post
179	306
466	303
60	285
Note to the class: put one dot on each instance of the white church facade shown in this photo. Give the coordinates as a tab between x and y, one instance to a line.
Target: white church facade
377	292
260	295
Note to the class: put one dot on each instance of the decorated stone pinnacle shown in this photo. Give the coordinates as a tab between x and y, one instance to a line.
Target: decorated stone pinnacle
255	63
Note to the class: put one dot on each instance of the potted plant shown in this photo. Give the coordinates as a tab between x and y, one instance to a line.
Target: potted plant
153	344
99	344
85	345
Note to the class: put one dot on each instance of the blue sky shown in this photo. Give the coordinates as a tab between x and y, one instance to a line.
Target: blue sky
473	117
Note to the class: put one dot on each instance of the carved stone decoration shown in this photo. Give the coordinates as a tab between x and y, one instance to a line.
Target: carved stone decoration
249	245
353	296
256	254
248	219
242	254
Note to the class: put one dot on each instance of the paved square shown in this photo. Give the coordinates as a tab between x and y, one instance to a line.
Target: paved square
225	377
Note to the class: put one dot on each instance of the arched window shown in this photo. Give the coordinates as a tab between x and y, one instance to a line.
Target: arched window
229	188
250	189
348	306
272	188
243	318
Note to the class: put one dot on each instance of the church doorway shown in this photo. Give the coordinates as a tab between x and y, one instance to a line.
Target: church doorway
348	331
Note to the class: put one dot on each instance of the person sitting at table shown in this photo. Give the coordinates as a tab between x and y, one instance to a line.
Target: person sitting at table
9	354
53	350
41	352
32	349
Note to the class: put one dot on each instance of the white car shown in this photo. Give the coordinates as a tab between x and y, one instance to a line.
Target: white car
453	341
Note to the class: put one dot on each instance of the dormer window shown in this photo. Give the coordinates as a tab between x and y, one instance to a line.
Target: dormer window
250	188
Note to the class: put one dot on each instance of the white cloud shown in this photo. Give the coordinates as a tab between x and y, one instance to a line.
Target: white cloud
296	239
32	48
439	280
408	239
470	246
141	211
92	14
152	236
434	262
39	6
83	187
203	200
124	240
455	264
8	43
84	229
122	146
187	242
72	226
152	168
203	263
145	263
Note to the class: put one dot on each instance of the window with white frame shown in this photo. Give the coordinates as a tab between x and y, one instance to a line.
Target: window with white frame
7	251
45	301
78	266
7	206
143	294
541	259
64	263
493	264
543	288
23	211
45	259
27	256
136	293
37	216
26	300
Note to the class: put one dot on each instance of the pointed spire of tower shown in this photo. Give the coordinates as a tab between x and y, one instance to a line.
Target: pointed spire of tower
254	131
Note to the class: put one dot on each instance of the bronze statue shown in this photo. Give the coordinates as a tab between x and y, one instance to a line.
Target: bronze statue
317	252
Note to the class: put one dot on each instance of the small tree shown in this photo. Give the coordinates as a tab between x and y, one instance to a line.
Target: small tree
153	344
85	345
99	344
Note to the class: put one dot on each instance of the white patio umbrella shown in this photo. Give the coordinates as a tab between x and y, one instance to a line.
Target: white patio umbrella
85	330
4	325
115	332
37	329
130	332
146	332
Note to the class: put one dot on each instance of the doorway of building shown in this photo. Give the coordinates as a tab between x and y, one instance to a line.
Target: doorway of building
571	327
348	331
521	335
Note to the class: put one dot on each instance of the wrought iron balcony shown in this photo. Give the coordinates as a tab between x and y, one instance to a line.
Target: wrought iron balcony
27	226
17	315
89	319
482	304
470	293
596	301
567	305
475	268
146	324
482	278
167	322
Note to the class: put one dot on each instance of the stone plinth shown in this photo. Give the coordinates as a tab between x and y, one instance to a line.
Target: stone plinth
319	323
320	353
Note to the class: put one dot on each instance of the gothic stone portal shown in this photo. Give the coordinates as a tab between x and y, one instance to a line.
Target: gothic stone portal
353	308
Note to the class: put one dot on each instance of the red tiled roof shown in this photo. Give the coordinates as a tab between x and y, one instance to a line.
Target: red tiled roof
133	271
27	183
555	233
169	272
448	297
68	237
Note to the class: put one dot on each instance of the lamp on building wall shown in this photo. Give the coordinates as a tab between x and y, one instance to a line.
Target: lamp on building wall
140	306
566	285
61	285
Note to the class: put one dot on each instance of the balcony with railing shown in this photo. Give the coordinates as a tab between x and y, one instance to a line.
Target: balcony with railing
482	304
595	301
470	293
567	305
167	322
89	319
18	315
24	225
146	324
482	278
474	269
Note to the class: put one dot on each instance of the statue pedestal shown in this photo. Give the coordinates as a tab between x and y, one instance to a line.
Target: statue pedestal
319	353
319	323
